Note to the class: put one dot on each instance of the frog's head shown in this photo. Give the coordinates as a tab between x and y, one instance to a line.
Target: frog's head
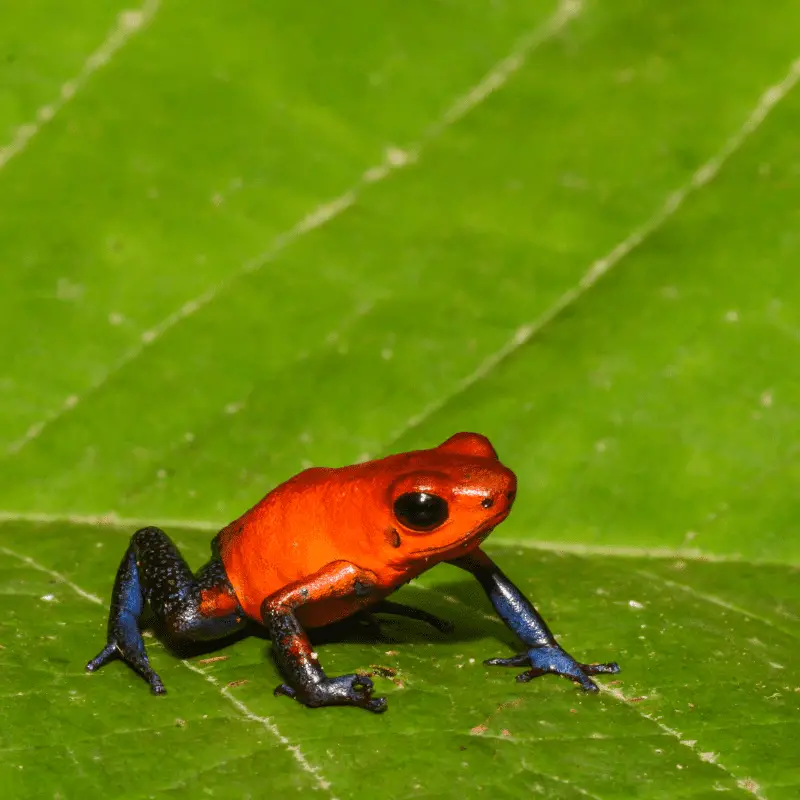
449	499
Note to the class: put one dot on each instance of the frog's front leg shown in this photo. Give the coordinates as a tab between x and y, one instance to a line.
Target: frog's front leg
543	654
186	606
307	681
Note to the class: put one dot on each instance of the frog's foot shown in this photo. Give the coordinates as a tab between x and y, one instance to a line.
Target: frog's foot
345	690
134	657
551	659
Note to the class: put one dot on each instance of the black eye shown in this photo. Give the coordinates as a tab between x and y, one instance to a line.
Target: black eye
487	502
420	511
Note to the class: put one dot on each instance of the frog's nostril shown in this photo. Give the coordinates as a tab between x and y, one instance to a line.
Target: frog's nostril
487	502
511	496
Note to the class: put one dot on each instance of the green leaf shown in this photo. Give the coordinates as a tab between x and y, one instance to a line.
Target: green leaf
238	240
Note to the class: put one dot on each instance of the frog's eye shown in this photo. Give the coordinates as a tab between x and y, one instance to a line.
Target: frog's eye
420	511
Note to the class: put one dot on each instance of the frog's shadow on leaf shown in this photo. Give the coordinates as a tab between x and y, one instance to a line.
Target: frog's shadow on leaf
453	602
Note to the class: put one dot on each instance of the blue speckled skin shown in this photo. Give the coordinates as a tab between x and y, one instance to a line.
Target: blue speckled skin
154	572
454	495
543	654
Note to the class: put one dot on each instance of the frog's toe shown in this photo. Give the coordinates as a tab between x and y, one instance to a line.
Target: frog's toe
521	660
585	682
576	675
134	658
552	660
108	653
344	690
359	682
358	689
377	705
529	675
612	668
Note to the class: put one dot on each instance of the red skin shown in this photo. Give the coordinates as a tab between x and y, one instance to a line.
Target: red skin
329	543
323	529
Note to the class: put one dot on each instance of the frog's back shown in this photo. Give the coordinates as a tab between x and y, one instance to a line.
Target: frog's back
323	515
278	541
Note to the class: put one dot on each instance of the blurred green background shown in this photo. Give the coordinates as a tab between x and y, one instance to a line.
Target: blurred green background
238	239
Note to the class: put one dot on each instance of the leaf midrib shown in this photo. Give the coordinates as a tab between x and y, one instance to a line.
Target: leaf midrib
657	554
662	730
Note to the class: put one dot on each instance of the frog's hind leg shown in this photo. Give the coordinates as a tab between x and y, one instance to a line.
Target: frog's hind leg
401	610
185	606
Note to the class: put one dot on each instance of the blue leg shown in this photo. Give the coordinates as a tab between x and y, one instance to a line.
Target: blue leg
543	654
185	606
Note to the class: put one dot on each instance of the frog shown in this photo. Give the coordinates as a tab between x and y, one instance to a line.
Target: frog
329	544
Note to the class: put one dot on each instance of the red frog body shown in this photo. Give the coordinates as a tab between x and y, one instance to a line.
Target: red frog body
326	515
330	543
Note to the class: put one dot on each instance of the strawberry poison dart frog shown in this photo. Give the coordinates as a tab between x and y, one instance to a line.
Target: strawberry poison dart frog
325	545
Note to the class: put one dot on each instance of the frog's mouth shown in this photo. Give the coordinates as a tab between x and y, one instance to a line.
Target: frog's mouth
465	542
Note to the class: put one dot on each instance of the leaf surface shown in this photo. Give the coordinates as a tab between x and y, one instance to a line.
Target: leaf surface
240	241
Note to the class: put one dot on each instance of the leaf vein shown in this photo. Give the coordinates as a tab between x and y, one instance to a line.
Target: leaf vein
717	601
742	783
128	23
266	722
113	521
701	177
394	160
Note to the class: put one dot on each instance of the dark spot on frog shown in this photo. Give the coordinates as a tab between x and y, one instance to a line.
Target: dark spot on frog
487	502
393	537
362	589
